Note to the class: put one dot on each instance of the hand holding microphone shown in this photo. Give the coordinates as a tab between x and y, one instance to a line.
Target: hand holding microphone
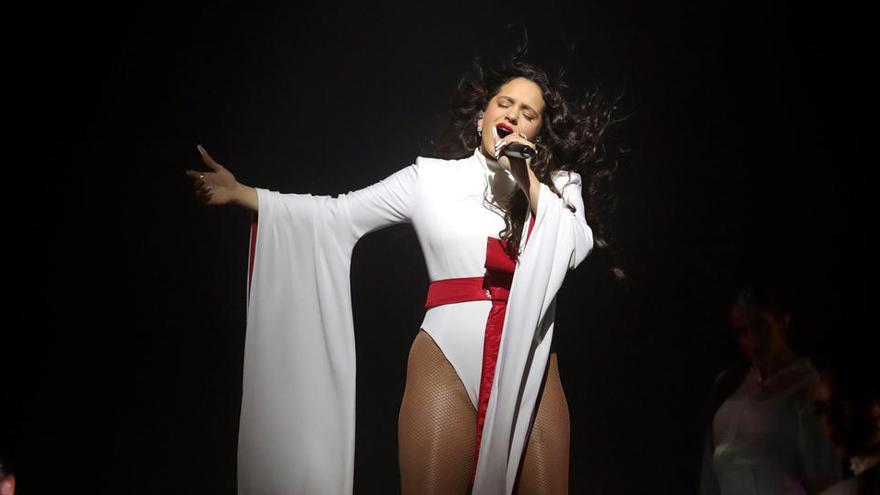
519	150
514	152
512	145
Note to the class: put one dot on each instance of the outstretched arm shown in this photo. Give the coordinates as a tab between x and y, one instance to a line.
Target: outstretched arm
353	214
300	334
386	201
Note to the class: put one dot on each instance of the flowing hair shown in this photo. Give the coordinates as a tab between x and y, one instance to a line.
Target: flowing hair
572	137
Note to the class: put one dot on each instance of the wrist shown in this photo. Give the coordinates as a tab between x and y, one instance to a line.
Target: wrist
245	196
238	195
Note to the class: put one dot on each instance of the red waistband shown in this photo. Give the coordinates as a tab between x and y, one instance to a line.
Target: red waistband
493	286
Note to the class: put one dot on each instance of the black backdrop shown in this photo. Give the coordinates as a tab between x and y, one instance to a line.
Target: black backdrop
123	359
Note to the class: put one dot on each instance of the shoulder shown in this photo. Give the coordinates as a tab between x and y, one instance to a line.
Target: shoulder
803	372
845	487
799	379
439	167
430	161
568	183
563	178
805	365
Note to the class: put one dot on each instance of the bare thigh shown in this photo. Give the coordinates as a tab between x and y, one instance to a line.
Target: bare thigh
545	463
437	425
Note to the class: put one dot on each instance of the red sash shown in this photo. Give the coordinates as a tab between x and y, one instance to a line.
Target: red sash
494	286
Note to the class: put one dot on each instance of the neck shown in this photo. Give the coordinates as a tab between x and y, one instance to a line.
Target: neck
772	364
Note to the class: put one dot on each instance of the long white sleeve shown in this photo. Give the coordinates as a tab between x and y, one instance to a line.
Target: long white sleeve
296	433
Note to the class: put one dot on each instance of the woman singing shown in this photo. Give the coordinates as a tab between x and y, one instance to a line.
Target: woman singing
483	410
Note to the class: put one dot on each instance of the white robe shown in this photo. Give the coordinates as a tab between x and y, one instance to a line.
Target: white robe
296	433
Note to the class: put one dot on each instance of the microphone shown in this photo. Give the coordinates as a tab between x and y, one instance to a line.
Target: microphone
519	150
515	150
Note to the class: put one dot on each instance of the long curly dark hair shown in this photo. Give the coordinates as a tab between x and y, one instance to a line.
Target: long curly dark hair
572	137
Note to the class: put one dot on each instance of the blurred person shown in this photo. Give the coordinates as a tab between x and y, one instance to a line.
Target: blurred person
7	477
848	401
765	437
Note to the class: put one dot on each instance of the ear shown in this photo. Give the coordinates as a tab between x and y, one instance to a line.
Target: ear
480	120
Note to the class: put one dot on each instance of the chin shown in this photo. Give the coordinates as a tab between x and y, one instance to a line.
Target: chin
490	148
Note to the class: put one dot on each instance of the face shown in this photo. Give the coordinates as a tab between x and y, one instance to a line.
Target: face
761	333
7	485
850	426
520	105
823	394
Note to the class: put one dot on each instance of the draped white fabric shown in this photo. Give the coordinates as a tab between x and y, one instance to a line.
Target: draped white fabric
296	433
559	241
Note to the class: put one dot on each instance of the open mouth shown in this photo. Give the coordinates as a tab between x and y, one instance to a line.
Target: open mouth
503	130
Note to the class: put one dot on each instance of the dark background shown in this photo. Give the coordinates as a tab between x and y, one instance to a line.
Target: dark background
128	297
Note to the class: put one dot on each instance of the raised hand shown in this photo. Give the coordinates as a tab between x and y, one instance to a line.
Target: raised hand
515	165
214	188
519	167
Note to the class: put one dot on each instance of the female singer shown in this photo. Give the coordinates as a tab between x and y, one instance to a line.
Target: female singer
501	218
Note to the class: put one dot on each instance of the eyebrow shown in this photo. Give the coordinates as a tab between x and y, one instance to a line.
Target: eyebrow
525	105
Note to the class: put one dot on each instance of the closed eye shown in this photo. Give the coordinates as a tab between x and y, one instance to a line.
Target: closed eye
528	116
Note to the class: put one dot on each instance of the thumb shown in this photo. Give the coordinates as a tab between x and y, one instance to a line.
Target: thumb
208	160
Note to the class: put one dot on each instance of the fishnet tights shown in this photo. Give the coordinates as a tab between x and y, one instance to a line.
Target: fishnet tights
437	430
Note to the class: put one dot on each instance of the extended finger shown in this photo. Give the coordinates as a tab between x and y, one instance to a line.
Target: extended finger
498	147
197	184
521	138
208	160
511	138
198	178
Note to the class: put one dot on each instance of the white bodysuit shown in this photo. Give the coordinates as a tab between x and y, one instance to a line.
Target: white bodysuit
296	431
